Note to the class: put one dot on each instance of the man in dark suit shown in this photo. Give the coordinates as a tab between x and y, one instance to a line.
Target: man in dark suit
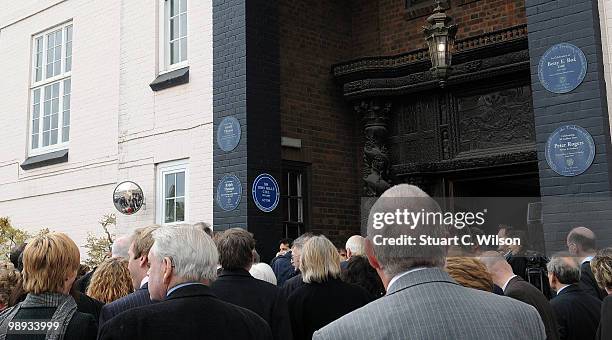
515	287
138	265
577	313
281	264
237	286
183	263
581	244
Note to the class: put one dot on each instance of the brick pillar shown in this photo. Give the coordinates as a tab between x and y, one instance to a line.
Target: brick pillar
246	86
575	22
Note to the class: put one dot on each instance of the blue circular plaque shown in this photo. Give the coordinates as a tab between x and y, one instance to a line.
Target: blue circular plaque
562	68
265	192
228	134
570	150
229	192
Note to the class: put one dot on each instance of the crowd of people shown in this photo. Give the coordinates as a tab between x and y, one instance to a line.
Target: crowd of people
186	282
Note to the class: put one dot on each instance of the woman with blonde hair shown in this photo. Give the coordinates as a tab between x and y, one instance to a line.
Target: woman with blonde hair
111	280
50	264
601	265
324	297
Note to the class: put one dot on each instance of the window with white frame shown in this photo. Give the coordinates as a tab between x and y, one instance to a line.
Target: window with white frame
173	41
172	184
50	90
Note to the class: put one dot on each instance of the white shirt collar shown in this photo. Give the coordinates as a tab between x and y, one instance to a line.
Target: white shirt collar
561	289
506	284
398	276
586	259
144	281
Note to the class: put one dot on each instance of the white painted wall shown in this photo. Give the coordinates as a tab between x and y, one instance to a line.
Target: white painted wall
120	128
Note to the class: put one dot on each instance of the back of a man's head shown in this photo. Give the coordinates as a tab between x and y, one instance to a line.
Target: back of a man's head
143	240
355	244
193	253
235	247
564	268
383	225
299	242
121	245
580	241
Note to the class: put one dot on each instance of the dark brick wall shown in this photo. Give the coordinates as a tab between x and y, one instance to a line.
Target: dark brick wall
313	36
246	85
229	98
575	22
386	27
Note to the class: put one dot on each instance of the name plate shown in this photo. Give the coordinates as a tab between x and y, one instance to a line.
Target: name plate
562	68
228	134
229	192
265	192
570	150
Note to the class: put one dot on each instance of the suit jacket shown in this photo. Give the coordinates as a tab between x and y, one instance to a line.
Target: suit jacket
292	284
86	304
83	282
282	267
588	282
265	299
429	304
577	313
138	298
604	331
190	312
81	327
314	305
519	289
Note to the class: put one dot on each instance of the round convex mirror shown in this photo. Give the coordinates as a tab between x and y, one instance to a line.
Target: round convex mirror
128	197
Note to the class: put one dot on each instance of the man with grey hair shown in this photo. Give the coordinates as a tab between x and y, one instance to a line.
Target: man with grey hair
581	244
353	247
422	301
121	245
296	254
576	311
183	263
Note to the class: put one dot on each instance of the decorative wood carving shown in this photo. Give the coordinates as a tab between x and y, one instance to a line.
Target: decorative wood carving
419	58
376	160
496	119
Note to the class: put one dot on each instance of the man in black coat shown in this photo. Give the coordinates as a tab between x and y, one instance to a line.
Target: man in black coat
138	265
183	263
577	313
581	243
235	284
515	287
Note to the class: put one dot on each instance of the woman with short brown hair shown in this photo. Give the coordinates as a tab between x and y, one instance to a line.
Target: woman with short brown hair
50	264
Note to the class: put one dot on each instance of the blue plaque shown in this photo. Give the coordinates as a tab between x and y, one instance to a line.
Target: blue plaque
570	150
229	192
265	192
562	68
228	134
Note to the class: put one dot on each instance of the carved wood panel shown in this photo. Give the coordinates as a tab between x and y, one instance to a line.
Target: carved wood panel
503	118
